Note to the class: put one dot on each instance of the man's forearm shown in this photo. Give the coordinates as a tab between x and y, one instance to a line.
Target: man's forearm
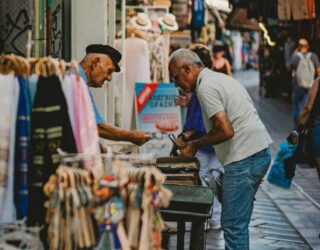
108	131
318	72
212	138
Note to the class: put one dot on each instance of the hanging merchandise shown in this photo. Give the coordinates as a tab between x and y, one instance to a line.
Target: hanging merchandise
134	207
126	207
292	9
168	24
22	146
310	9
137	67
157	57
36	116
198	14
9	91
68	212
317	3
79	199
50	130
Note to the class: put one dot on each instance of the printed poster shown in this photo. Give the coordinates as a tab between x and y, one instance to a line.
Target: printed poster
158	115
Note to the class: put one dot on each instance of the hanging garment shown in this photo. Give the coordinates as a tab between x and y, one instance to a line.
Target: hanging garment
269	8
33	83
50	130
157	58
310	9
66	85
9	94
85	127
137	69
295	9
317	29
317	9
254	10
22	145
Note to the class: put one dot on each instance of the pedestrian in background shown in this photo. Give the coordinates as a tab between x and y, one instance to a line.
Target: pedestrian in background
240	138
305	66
209	164
220	63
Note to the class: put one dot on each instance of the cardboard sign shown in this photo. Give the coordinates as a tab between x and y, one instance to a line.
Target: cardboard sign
158	115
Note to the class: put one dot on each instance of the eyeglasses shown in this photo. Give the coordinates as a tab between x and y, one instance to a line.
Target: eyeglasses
175	78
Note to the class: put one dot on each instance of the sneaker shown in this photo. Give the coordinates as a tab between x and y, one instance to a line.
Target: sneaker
215	226
208	226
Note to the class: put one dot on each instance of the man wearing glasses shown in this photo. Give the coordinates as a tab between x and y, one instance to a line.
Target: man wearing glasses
239	137
305	66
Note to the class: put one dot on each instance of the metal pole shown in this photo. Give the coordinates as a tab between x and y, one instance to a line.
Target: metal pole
123	61
111	19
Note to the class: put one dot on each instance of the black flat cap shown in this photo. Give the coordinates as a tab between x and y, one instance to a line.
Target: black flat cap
114	54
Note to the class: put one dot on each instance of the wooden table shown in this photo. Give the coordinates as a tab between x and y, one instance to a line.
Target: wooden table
189	204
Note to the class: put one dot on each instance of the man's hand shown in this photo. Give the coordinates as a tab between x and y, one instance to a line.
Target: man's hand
139	138
181	100
189	150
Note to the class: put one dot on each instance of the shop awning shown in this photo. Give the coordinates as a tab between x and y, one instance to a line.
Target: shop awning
238	20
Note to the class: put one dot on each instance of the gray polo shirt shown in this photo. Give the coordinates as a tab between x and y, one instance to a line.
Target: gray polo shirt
219	92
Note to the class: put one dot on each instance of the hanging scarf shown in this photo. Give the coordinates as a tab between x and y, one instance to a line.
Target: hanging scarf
22	144
85	127
9	93
50	130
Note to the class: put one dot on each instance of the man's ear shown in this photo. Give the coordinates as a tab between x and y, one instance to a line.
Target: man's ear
95	61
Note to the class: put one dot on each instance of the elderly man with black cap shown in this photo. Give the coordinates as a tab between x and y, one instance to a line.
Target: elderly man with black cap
100	62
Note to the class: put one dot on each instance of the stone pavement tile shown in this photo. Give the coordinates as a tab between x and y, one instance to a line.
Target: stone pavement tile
302	214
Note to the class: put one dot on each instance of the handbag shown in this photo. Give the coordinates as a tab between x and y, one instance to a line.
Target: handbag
304	152
283	168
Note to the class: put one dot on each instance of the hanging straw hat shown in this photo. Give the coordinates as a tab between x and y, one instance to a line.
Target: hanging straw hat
141	21
169	22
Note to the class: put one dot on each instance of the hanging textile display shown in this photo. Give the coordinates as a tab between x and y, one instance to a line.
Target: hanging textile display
9	91
292	9
50	130
52	174
134	196
70	222
137	69
22	145
36	117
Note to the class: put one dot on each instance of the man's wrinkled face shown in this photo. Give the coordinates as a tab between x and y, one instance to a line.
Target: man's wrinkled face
181	76
101	70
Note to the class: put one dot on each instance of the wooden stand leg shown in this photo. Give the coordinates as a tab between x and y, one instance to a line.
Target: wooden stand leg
197	236
180	236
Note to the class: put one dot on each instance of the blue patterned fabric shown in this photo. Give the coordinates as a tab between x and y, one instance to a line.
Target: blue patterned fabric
22	143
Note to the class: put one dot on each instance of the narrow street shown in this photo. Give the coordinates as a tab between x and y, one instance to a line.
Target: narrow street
282	219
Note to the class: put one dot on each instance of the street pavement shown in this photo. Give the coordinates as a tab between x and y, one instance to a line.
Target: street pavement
283	219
